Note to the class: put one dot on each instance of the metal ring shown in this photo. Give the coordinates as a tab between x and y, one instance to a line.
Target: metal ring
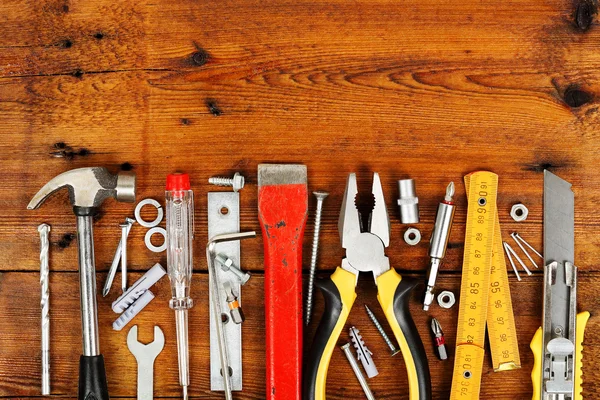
159	210
446	299
519	212
412	236
150	246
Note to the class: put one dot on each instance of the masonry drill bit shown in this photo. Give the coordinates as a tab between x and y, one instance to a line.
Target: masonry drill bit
440	341
439	241
44	230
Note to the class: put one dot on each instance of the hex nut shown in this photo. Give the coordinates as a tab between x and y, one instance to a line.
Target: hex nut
446	299
519	212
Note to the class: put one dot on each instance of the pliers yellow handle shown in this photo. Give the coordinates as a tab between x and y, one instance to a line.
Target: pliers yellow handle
393	295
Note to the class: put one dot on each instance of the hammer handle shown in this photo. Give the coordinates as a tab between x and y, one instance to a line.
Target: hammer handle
92	378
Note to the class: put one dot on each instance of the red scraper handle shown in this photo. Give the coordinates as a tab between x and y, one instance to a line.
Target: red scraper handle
282	211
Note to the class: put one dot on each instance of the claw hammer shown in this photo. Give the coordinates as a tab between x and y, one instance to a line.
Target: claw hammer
88	188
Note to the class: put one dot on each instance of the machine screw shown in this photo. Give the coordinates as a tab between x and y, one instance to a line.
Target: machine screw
237	182
313	259
385	337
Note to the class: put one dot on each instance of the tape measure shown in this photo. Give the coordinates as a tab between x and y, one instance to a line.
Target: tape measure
484	294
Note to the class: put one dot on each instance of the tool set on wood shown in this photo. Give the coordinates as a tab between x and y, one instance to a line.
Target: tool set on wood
484	301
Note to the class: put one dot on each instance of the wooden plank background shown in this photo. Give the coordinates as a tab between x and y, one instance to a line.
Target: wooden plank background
425	89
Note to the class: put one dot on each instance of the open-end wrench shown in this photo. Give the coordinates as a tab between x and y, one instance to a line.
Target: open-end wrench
145	354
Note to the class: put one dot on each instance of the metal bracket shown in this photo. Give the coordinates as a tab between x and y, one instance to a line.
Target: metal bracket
224	217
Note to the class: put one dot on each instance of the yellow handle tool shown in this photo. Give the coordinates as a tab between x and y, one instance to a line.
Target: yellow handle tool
538	352
393	295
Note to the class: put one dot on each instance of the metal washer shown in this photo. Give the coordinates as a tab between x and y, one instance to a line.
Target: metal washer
150	246
410	232
159	210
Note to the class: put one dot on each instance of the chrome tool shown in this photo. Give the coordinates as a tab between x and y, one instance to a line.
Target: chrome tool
408	202
145	355
44	230
439	242
557	346
179	239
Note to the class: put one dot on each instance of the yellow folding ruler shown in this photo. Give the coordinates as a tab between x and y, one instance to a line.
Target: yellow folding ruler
484	293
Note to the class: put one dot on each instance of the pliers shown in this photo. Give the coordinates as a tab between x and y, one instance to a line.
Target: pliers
365	252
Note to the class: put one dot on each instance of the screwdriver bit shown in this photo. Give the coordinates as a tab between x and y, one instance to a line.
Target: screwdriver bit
440	341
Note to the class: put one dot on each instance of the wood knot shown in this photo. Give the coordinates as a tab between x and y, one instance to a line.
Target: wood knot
63	150
66	240
78	73
200	57
126	166
65	44
99	35
186	121
584	14
213	108
575	97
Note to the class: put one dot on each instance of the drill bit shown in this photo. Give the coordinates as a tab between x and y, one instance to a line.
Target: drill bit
439	241
440	341
44	230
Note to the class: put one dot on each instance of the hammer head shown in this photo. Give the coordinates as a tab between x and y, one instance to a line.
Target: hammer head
88	188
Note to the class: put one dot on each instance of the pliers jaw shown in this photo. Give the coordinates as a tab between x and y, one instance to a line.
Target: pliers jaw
365	249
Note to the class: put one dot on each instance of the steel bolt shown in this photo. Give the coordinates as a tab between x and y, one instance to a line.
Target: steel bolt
227	265
237	182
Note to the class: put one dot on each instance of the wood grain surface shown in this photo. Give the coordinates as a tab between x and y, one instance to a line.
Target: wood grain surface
418	88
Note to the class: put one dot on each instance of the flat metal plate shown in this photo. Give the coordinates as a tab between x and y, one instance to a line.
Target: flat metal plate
224	217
